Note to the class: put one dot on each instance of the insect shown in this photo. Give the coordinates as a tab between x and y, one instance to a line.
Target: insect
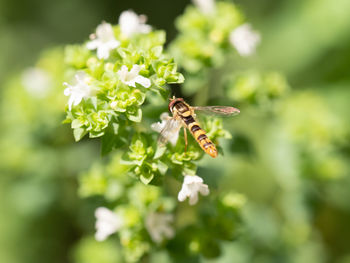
184	116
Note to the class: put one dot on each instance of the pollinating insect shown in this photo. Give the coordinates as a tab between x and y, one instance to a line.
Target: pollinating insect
184	116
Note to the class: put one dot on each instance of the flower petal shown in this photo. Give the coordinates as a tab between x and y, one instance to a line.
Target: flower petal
70	102
79	90
205	6
113	44
193	199
107	223
130	23
101	236
77	99
143	81
145	29
135	70
191	186
164	116
204	189
67	91
182	195
103	52
158	226
158	126
105	32
245	39
93	44
81	76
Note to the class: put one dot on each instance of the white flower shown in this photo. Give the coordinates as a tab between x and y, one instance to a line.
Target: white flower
171	132
104	41
78	91
158	226
205	6
107	223
190	187
130	23
132	77
245	39
37	82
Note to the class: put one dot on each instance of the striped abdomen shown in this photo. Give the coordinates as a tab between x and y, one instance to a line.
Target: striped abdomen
202	139
185	113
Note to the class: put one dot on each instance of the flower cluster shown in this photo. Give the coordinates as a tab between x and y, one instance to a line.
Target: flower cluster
255	87
144	158
143	216
118	91
111	85
106	98
209	30
142	213
311	124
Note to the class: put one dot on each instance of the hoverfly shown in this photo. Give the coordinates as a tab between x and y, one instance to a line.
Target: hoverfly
184	116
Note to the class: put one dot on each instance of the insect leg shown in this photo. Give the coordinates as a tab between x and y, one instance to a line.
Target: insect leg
185	136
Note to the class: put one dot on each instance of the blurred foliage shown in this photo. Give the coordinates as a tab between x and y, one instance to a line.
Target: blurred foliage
37	164
288	158
203	38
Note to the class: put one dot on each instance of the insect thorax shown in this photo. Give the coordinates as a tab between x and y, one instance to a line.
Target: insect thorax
179	107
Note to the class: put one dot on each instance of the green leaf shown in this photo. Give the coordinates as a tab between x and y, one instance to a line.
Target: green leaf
190	169
123	52
157	50
115	127
79	133
160	82
146	179
139	162
155	65
96	134
107	143
140	97
94	102
174	160
176	78
76	124
160	151
67	120
162	167
125	159
137	117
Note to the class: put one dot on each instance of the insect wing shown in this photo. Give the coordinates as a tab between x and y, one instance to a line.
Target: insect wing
218	110
170	132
